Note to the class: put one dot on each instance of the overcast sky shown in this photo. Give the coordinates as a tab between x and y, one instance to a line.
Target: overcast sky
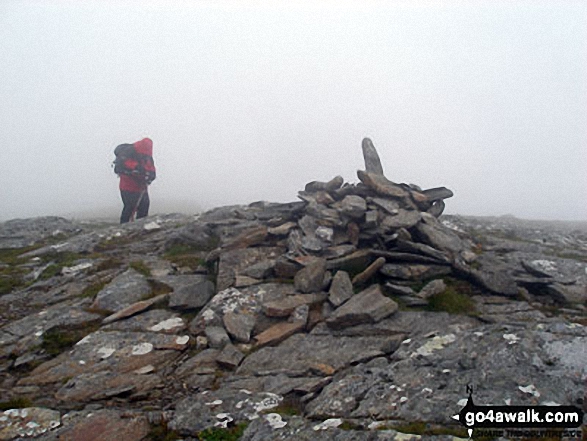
249	101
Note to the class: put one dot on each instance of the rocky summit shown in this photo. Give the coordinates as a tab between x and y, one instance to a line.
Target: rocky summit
359	312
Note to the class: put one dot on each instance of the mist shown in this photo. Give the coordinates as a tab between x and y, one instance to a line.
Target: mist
249	102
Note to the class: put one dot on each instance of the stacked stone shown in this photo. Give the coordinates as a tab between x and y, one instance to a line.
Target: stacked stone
348	249
377	213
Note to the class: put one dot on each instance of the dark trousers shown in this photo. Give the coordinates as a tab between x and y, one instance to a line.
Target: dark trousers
132	204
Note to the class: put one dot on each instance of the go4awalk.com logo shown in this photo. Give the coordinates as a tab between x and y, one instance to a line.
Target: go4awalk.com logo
521	421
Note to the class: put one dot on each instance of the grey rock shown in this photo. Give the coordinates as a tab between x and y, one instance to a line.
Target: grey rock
192	296
369	272
338	251
390	206
437	208
329	217
341	289
398	290
301	354
414	271
239	325
300	315
432	288
331	185
285	306
436	235
246	300
439	193
352	206
403	219
156	320
420	248
230	357
372	161
368	306
126	289
260	270
216	409
371	219
382	186
310	278
217	337
235	262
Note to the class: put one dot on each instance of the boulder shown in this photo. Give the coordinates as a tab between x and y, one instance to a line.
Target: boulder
368	306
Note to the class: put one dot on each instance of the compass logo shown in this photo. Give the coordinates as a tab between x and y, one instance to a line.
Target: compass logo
473	416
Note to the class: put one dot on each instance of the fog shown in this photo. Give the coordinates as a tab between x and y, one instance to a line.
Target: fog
249	101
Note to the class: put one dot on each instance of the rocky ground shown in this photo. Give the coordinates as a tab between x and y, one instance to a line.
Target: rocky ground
359	312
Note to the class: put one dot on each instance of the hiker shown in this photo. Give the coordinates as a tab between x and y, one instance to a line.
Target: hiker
134	164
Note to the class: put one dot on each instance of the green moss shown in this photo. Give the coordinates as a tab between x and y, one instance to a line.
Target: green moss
11	256
289	406
11	279
92	290
187	260
114	243
57	340
180	250
51	271
15	403
160	432
453	301
108	264
140	267
157	288
217	434
348	425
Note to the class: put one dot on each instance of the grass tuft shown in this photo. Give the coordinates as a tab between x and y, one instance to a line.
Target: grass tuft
217	434
15	403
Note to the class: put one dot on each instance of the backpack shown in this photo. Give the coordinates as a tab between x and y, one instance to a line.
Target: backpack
129	162
122	153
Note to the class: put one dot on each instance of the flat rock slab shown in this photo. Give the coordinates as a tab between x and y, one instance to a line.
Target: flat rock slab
284	307
278	332
155	320
28	422
192	296
218	409
25	334
414	271
104	425
403	219
382	186
368	306
126	289
301	354
427	377
275	427
112	351
438	236
133	309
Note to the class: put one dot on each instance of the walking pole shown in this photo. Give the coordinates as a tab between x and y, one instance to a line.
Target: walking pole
134	211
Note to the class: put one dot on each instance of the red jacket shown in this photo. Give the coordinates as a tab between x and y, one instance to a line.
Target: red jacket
137	183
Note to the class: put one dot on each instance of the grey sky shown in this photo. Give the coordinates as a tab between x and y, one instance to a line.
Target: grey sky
249	102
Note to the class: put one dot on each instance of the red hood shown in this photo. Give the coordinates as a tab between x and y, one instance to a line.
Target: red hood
144	146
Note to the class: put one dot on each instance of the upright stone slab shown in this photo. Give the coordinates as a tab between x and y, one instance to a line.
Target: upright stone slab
372	161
